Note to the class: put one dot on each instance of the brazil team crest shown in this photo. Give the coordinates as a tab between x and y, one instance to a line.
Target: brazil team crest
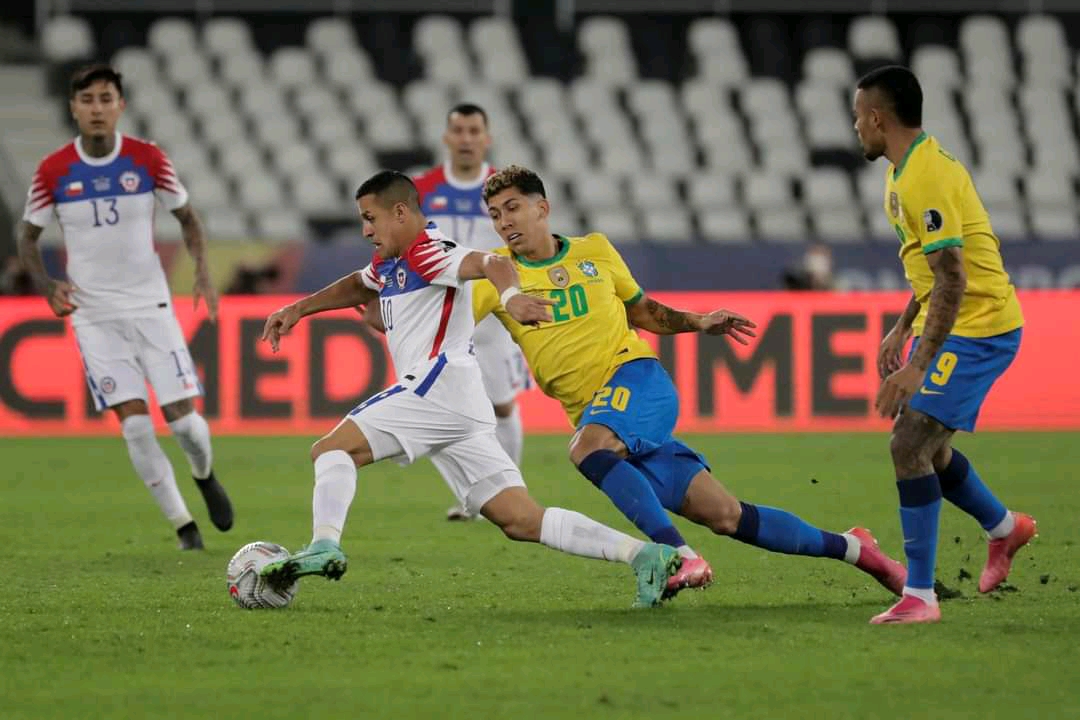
894	204
588	268
559	276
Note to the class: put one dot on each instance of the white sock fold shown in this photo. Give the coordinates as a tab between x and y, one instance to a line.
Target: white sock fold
574	533
511	435
193	434
924	594
1003	528
154	468
335	487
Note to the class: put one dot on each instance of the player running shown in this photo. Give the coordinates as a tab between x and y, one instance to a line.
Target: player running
620	399
451	196
438	407
101	189
967	323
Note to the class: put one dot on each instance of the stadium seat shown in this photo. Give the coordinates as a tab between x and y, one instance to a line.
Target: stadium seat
66	37
294	159
937	65
138	66
314	194
188	71
595	191
227	35
328	36
313	101
1009	225
222	129
242	70
781	226
280	225
348	68
729	226
495	44
838	226
1050	190
336	129
292	67
172	36
351	164
240	160
717	50
874	37
1056	225
620	226
207	190
829	66
227	224
827	189
387	132
652	192
665	226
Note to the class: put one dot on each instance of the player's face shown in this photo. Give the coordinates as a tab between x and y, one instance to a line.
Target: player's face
383	225
467	139
520	220
97	109
868	126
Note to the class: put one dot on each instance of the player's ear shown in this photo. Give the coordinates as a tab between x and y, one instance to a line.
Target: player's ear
544	207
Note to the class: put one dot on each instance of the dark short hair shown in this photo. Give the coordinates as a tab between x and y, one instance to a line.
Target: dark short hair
467	109
391	187
86	76
901	88
517	177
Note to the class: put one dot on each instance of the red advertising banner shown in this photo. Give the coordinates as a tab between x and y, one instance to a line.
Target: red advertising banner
812	367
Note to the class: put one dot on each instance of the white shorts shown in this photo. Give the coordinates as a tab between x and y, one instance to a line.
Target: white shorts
120	356
502	365
402	426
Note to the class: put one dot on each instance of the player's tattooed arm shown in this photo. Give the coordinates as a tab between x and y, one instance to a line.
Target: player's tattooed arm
890	354
57	292
911	312
950	281
656	317
194	233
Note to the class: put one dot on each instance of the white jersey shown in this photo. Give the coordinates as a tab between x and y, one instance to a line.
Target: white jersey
105	207
429	323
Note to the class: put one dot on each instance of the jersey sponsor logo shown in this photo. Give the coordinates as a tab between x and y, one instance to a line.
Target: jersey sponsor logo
588	268
894	204
402	278
439	202
559	276
74	189
933	220
101	184
129	181
447	244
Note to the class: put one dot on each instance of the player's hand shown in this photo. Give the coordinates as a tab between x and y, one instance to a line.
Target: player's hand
725	322
205	289
278	324
529	310
59	297
897	389
890	355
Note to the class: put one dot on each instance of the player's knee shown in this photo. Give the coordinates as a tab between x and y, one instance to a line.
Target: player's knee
504	410
593	438
180	408
724	520
910	455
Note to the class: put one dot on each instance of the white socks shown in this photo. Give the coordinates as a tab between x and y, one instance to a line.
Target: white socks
927	595
154	468
854	548
574	533
335	487
510	434
1003	528
193	434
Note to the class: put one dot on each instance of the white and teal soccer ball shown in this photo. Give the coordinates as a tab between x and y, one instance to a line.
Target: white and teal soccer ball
246	588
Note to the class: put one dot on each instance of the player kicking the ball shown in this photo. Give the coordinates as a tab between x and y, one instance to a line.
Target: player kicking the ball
967	322
438	408
620	399
101	188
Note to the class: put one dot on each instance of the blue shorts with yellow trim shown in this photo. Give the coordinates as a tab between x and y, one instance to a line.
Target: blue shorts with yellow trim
961	375
640	405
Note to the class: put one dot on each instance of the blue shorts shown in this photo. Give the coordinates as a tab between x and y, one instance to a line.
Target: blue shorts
961	375
640	405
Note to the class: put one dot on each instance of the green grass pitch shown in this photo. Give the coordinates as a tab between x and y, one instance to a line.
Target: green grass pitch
103	617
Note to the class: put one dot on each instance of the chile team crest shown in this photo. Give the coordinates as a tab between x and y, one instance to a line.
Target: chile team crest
129	181
401	278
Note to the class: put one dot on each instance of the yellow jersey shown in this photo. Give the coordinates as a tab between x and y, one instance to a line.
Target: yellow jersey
931	203
589	336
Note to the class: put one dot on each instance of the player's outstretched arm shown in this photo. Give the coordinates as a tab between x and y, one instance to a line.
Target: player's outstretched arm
57	292
656	317
194	233
525	309
349	291
950	281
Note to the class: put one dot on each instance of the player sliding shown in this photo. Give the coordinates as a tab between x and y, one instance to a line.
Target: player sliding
101	188
622	402
967	321
438	408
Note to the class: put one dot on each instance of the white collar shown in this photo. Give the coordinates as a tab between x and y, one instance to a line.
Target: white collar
90	160
465	184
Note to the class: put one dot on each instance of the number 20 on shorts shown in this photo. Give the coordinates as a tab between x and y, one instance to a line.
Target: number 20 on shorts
946	363
615	397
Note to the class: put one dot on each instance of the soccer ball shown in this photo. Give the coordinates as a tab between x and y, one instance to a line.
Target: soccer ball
246	588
